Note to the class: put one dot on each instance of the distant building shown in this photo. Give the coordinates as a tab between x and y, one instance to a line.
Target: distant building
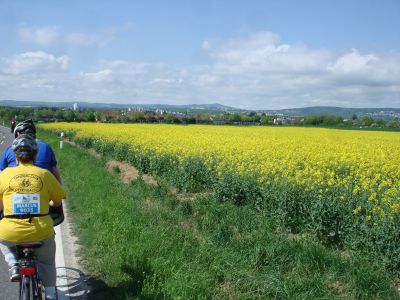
75	106
137	108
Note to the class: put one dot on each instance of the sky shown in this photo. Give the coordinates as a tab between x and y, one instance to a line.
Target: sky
250	54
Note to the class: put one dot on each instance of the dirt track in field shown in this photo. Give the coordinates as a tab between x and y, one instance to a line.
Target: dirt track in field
128	172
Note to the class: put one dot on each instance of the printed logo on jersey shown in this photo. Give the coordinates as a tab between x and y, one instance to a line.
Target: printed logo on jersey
26	183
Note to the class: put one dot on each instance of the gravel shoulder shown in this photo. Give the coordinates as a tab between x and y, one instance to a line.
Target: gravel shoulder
71	279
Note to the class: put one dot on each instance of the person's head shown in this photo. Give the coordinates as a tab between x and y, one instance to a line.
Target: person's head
25	127
25	148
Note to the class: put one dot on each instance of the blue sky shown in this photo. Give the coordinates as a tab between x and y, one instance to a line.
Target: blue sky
248	54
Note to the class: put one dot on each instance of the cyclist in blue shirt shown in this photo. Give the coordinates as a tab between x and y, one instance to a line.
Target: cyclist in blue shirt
45	157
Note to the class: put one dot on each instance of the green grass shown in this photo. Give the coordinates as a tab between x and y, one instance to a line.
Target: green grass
140	242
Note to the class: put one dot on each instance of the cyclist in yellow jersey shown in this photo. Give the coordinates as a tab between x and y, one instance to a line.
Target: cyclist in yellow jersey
26	191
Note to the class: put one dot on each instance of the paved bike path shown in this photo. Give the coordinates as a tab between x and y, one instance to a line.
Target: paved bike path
8	290
71	282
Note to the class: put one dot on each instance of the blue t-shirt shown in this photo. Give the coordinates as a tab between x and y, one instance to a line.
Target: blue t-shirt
45	157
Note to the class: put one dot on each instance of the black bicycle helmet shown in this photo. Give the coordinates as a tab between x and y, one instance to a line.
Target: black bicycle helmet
24	143
25	127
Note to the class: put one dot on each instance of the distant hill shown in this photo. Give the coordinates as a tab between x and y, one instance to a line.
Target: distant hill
85	105
338	111
61	104
216	108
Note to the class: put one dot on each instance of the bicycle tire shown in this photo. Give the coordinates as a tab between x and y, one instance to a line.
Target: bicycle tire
39	292
25	288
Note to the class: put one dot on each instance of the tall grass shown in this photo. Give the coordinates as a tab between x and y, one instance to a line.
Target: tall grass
141	242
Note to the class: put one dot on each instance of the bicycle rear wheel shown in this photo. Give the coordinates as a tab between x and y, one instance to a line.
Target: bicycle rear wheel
38	289
25	288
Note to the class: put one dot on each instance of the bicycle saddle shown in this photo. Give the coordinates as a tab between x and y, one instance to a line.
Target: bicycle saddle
30	245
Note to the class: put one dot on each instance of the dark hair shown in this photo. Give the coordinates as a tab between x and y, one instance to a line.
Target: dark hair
25	157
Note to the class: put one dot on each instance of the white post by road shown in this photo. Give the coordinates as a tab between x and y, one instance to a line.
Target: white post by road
61	139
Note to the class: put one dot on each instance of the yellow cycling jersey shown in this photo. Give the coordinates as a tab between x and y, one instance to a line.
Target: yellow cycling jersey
27	189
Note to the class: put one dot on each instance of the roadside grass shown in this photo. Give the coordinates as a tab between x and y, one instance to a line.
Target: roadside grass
141	242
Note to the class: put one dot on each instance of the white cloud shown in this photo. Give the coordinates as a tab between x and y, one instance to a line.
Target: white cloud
354	62
256	72
41	36
53	36
205	45
262	72
262	52
33	62
105	75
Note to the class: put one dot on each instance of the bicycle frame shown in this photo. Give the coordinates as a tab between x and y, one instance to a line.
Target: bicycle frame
30	286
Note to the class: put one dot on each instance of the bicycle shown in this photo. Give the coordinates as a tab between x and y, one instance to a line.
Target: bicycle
30	285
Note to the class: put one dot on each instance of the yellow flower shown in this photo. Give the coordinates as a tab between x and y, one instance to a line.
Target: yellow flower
348	163
357	210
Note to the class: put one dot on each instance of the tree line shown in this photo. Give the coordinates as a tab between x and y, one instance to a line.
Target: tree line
48	114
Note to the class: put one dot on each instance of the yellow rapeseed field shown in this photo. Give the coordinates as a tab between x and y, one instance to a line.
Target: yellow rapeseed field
362	164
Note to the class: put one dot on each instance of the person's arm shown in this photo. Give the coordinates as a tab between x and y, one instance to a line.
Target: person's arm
56	173
1	200
53	162
56	191
3	160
